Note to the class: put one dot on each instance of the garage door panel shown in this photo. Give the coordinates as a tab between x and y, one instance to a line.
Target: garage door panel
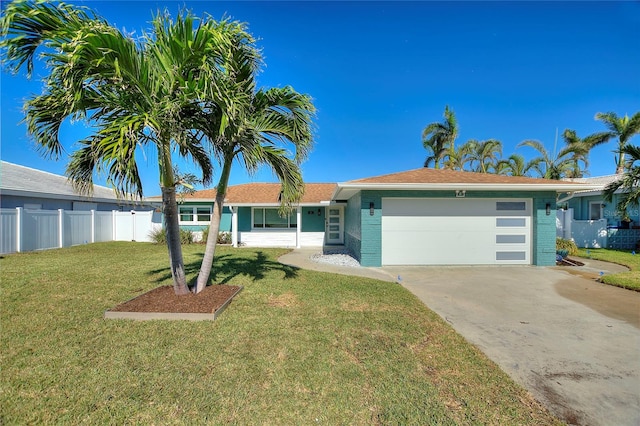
455	232
438	224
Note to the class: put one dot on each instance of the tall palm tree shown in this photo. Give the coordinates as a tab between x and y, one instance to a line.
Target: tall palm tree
515	165
133	93
565	164
439	138
629	183
254	128
623	128
485	154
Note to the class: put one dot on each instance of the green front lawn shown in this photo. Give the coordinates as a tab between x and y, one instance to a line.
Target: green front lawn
628	258
295	347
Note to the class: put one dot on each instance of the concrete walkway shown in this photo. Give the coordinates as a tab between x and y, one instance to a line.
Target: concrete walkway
572	342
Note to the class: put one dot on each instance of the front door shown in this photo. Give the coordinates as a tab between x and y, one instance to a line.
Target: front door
334	225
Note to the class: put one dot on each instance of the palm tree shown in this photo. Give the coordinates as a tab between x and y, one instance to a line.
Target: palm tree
485	155
563	165
457	158
583	146
629	183
252	128
515	165
623	128
134	93
439	138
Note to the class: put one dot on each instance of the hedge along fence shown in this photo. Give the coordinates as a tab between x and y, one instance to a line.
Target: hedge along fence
30	230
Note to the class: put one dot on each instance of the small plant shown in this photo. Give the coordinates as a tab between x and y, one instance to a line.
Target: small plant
159	236
186	237
223	237
563	245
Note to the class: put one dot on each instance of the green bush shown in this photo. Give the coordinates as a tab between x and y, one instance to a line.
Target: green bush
569	246
159	236
223	237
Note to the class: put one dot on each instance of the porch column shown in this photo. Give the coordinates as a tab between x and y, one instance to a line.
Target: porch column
234	226
298	225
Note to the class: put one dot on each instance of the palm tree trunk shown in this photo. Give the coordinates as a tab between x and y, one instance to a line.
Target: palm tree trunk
214	228
170	210
620	165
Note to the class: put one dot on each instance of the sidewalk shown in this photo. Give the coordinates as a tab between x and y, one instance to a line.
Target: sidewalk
301	258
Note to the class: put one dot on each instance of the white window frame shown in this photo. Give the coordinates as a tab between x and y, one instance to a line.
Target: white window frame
601	208
194	213
290	226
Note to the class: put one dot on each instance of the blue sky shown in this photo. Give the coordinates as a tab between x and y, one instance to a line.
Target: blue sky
379	72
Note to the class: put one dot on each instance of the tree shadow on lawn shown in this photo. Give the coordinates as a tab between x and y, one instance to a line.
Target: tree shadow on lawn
227	266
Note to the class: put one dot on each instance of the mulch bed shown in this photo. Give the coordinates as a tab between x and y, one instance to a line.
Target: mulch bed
164	299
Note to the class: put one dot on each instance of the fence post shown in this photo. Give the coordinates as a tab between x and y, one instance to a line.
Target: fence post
61	228
133	220
113	225
93	226
18	229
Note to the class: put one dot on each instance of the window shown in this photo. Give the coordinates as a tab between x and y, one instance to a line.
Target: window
190	214
269	218
595	210
511	239
511	205
511	255
504	222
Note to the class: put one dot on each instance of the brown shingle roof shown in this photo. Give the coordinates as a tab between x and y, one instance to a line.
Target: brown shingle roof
444	176
265	193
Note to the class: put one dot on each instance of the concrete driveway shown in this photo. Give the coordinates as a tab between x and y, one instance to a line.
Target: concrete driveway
572	342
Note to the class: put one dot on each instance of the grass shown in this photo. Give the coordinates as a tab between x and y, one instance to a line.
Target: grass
295	347
628	258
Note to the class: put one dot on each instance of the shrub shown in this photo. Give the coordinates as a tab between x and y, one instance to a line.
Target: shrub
223	237
159	236
567	246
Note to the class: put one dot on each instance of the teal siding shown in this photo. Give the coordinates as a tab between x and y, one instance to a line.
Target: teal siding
371	243
194	228
544	230
352	226
312	219
225	220
543	226
244	219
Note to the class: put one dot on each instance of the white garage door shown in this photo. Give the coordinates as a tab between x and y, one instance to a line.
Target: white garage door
458	231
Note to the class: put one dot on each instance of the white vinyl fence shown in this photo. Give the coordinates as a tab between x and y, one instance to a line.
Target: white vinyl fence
585	233
29	230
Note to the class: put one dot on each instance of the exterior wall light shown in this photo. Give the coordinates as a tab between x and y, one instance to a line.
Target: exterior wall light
548	209
371	208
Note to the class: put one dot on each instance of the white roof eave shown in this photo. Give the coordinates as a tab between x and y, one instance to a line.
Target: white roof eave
556	187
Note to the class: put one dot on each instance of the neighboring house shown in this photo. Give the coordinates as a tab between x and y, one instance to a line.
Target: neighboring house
593	222
33	189
40	210
591	205
418	217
